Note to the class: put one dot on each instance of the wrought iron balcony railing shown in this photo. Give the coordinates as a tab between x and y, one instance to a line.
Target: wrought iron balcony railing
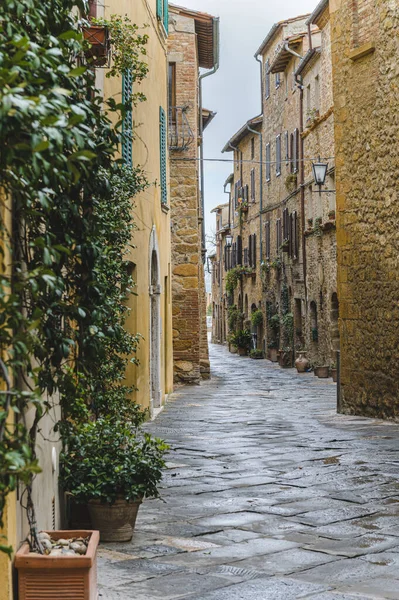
180	132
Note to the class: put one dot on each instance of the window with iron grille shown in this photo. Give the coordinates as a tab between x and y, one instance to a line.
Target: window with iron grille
163	156
127	122
268	165
278	155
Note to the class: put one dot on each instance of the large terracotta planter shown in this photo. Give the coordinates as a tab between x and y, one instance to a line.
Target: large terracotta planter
58	577
114	521
322	372
302	363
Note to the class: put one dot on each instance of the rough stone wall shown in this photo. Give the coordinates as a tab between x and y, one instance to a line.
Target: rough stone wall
190	349
320	245
366	87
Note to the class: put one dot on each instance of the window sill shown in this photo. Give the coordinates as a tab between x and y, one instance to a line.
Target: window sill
362	51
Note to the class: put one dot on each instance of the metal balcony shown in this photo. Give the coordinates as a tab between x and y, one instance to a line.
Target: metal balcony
180	132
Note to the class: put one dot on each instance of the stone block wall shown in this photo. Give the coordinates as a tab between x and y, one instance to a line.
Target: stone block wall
366	88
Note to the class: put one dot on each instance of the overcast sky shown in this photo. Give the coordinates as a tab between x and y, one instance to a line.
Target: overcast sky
234	91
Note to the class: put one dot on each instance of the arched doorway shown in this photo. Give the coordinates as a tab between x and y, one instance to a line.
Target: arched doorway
155	324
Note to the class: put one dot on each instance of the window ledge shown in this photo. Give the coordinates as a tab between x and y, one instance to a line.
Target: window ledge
165	208
361	51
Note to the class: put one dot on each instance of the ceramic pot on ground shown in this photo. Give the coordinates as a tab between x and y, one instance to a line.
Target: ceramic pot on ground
302	363
115	522
242	351
322	372
333	374
273	356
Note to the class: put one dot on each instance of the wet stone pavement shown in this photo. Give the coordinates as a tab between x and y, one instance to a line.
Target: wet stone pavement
268	495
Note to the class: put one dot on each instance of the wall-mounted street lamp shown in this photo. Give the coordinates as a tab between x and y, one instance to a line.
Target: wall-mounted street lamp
228	240
320	173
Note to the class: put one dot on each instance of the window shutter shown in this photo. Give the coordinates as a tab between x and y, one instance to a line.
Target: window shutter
292	154
254	250
250	250
127	122
166	15
278	155
267	79
296	156
162	153
287	147
159	9
246	193
253	185
295	235
268	239
268	169
239	250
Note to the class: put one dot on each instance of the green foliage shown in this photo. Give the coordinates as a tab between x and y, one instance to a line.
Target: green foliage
257	318
288	326
109	459
233	317
274	322
285	299
128	48
232	278
241	339
276	264
63	271
256	354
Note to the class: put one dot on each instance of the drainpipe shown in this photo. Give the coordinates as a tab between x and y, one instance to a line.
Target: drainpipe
259	60
201	128
259	134
229	193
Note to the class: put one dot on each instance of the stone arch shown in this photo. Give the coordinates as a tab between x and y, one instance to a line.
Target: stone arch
155	322
334	317
313	322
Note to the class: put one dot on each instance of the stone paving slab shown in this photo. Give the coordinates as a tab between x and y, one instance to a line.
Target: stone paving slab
268	495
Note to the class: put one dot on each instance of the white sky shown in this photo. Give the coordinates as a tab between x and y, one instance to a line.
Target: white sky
234	91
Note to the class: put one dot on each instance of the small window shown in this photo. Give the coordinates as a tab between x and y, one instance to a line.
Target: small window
268	165
278	155
308	99
267	79
253	185
252	148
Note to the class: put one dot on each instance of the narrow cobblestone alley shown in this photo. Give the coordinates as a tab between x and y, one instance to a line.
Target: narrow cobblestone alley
268	495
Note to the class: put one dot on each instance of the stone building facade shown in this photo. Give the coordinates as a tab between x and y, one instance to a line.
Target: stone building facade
283	229
365	82
193	44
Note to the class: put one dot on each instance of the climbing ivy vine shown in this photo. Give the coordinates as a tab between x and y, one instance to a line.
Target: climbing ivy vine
65	230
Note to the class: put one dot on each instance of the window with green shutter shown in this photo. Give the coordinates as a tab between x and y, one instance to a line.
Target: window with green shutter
127	122
163	13
162	154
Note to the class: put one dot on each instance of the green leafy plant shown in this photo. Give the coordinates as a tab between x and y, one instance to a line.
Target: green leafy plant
291	182
257	318
128	48
233	276
109	459
276	264
241	339
256	354
288	327
274	322
331	214
233	317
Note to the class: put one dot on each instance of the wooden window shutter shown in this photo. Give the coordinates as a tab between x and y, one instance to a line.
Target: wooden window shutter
268	239
253	185
254	250
295	235
267	79
159	9
239	250
127	122
268	166
250	250
296	156
287	147
246	193
163	155
166	15
292	153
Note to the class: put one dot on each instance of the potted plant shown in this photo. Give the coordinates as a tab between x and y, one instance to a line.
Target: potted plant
256	354
60	570
331	215
257	318
273	351
111	466
98	44
322	371
242	340
285	357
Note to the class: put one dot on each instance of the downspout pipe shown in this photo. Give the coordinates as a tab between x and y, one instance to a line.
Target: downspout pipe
216	52
259	134
299	82
229	193
259	60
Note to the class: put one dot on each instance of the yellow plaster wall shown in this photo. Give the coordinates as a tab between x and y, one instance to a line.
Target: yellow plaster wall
148	212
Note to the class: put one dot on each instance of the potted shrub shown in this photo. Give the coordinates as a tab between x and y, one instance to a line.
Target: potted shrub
242	340
59	572
98	50
111	466
256	354
334	372
321	371
285	358
257	318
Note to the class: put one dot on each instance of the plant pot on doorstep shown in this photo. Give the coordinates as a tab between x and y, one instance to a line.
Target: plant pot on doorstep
321	372
115	522
273	354
53	577
334	375
285	359
302	363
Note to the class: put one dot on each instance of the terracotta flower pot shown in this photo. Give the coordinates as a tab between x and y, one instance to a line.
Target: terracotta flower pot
273	354
302	363
242	351
98	37
114	521
321	372
60	577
